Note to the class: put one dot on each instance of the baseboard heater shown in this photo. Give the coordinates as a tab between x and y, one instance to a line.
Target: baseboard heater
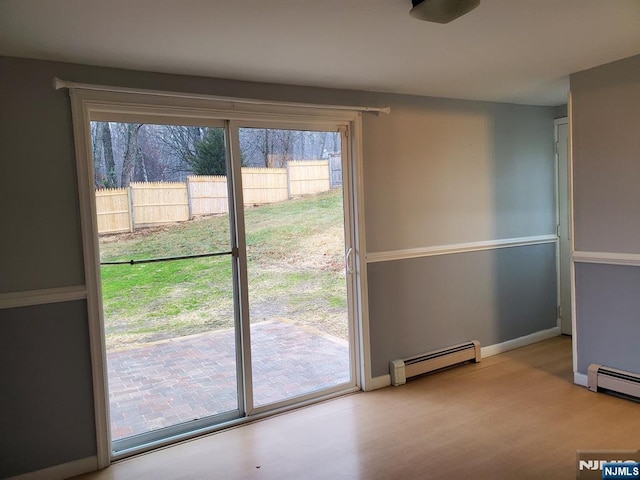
428	362
616	381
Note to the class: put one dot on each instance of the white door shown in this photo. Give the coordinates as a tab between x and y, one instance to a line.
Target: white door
564	226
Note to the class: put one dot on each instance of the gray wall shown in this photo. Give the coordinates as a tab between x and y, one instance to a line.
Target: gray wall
435	172
443	172
491	296
440	172
606	176
41	246
608	316
606	147
46	405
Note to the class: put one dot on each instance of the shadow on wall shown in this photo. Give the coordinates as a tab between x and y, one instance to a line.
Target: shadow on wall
423	304
461	172
524	278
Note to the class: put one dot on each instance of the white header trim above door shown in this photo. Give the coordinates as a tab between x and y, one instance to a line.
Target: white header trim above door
58	84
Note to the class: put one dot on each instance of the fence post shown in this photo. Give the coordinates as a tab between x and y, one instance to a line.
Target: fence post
288	181
189	207
132	220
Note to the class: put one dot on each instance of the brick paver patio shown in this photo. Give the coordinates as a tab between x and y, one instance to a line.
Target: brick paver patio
174	381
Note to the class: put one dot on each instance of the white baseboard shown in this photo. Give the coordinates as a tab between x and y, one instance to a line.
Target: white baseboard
580	379
385	380
378	382
62	471
491	350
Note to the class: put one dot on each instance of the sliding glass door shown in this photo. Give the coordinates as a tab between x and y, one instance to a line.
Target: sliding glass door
225	268
294	219
167	244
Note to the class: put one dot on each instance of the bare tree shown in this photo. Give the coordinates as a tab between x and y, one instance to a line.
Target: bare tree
323	142
111	180
104	165
336	142
131	151
267	147
156	162
126	152
182	141
98	174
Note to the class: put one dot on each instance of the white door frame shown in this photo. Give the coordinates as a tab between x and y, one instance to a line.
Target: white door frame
89	102
564	229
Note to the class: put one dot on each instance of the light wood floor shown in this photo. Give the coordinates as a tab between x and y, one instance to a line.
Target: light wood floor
513	416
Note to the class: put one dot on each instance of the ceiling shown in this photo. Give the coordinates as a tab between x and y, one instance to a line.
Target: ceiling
518	51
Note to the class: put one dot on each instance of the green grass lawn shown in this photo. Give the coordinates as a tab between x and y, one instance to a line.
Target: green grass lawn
295	252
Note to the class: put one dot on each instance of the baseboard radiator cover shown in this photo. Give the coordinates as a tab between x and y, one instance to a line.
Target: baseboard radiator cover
613	380
405	368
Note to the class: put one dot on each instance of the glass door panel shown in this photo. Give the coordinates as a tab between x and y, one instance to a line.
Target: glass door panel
168	274
295	242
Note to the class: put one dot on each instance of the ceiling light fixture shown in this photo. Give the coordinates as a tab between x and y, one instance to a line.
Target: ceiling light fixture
441	11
